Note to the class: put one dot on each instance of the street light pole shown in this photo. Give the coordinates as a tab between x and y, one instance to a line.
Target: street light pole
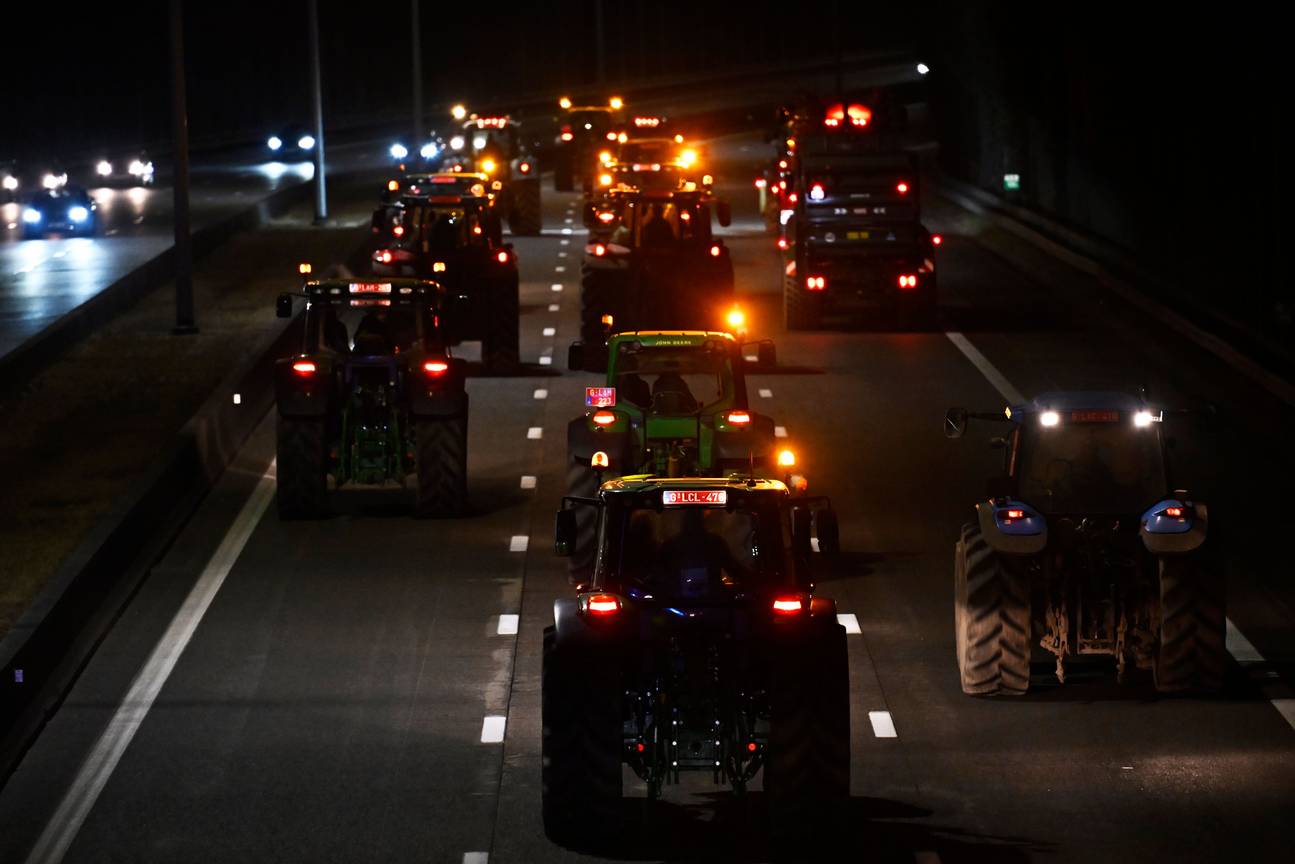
416	30
182	253
598	42
321	190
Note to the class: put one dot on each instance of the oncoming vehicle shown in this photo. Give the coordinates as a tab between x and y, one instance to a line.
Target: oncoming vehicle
291	142
134	169
1085	545
372	397
441	230
674	405
660	266
59	209
697	646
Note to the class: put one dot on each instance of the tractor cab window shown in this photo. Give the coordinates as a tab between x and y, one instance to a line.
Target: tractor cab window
673	380
1098	468
439	229
368	328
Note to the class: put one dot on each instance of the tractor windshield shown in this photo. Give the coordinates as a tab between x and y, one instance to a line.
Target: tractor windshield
368	328
1090	468
692	554
673	379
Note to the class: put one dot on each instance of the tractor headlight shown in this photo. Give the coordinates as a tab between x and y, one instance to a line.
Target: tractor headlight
305	142
398	151
103	168
1049	418
427	151
456	143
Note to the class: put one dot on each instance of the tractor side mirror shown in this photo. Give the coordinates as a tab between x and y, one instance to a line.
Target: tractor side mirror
576	357
828	531
723	213
283	306
564	533
955	422
766	355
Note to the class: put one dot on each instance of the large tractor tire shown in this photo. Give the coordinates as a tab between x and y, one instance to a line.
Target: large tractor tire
301	469
525	218
991	612
499	346
580	744
601	293
807	766
583	483
800	310
1192	653
441	464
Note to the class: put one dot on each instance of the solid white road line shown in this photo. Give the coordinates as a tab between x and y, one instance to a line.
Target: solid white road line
1241	649
541	393
766	393
476	857
98	766
535	433
492	729
507	625
528	481
550	331
992	375
780	431
849	622
518	543
883	726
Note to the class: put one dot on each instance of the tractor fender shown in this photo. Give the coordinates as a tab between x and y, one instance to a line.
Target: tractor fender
758	441
575	630
1027	535
300	396
1163	534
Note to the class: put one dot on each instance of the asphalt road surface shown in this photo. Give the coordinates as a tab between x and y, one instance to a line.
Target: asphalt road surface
366	688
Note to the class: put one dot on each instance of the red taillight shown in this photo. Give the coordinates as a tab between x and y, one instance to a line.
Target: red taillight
606	216
782	242
604	418
788	605
901	187
908	280
1174	512
602	604
1013	514
816	283
600	250
611	136
303	367
567	136
435	367
714	251
760	183
936	239
739	418
399	230
751	746
502	256
524	167
383	256
816	192
792	198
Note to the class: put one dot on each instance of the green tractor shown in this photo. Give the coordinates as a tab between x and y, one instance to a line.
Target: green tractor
373	397
674	404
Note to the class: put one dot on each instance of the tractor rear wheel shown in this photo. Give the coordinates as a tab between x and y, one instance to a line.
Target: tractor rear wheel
991	611
301	458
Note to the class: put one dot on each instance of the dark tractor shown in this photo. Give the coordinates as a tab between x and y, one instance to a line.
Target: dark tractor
659	267
583	132
372	397
1084	547
494	147
674	404
451	234
697	646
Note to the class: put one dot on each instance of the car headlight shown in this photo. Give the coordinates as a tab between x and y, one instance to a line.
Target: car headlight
456	143
78	213
53	181
398	151
31	216
104	168
274	142
427	151
305	142
139	168
11	183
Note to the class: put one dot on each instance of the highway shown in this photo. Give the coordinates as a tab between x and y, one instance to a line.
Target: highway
366	688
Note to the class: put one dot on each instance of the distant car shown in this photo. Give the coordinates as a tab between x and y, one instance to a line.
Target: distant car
291	141
59	210
134	169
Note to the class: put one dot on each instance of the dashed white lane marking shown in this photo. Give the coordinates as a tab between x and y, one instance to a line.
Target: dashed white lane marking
569	220
553	307
111	231
780	431
546	360
518	543
849	622
556	286
550	331
981	362
813	543
492	729
564	242
766	393
559	269
507	625
562	254
476	858
528	481
1241	649
882	724
535	433
102	760
541	393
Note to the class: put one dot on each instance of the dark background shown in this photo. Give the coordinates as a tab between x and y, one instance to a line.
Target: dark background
1153	127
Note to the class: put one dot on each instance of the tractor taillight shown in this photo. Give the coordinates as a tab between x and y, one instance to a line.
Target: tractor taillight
714	251
901	187
399	230
602	604
908	280
383	256
502	256
303	367
524	167
1013	514
789	605
436	367
739	418
604	418
1174	512
816	283
936	239
782	242
599	249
